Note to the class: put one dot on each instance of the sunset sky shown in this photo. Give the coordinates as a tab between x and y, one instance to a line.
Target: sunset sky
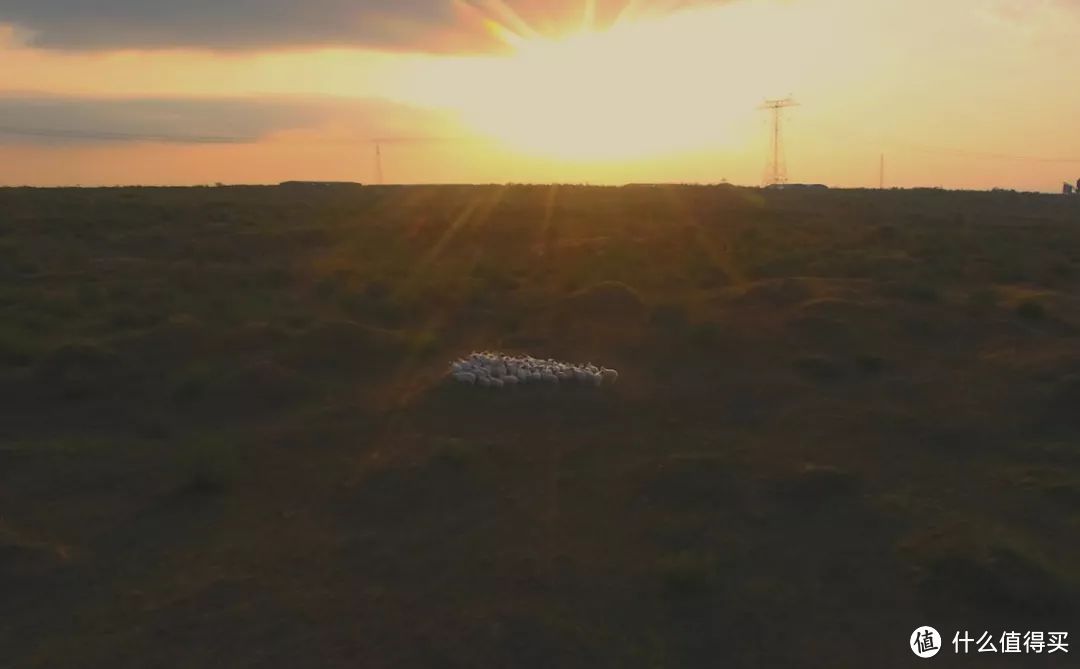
955	93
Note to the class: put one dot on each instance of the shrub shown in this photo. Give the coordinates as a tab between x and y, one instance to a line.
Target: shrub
870	364
75	371
210	465
152	428
608	299
921	292
984	298
17	348
706	334
425	343
819	368
456	452
1031	310
688	574
670	316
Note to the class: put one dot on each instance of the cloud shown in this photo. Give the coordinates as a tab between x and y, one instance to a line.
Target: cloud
35	119
416	25
1025	10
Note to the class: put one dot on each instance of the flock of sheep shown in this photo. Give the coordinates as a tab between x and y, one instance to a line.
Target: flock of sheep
496	370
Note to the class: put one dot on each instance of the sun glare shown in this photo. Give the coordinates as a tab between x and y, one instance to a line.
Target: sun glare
646	87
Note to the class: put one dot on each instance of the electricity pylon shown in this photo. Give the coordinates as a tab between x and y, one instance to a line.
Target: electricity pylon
776	174
378	164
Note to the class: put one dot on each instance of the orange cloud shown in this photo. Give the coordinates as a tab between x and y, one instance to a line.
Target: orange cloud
231	25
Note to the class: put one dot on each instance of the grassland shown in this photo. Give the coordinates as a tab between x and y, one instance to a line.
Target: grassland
225	440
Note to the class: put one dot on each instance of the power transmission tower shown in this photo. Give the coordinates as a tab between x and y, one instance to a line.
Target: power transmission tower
378	164
777	170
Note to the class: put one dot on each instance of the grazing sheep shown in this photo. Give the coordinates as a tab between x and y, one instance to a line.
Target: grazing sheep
495	370
465	377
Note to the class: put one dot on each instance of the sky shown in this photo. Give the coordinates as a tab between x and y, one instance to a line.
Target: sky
953	93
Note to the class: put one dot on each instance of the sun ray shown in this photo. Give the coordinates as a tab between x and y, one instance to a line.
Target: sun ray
474	213
505	16
718	252
591	94
627	14
549	215
588	21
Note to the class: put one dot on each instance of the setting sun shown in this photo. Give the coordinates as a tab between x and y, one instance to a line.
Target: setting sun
604	94
599	91
644	86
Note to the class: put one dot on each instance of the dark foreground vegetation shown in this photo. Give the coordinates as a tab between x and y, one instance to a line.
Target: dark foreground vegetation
225	440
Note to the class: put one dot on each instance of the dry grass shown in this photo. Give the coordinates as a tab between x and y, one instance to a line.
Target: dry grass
840	415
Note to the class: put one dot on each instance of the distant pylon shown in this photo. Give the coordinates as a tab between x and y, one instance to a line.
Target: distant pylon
776	173
378	164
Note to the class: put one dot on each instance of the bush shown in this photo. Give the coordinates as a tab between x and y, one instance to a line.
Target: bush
192	387
670	316
1031	310
17	349
921	292
210	466
706	334
870	364
606	300
457	452
984	298
687	574
76	371
819	368
425	343
152	428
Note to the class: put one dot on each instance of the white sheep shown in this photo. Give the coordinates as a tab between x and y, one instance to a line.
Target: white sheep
489	369
465	377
